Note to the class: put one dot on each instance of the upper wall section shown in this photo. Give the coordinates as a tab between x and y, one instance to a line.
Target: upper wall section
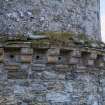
26	16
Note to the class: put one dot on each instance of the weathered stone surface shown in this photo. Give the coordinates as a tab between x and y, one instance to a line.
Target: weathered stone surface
52	59
71	73
73	60
36	81
56	86
38	67
1	51
25	67
93	55
19	44
1	58
76	53
49	75
26	51
58	97
53	51
101	64
35	87
65	15
61	67
26	58
12	67
90	62
1	54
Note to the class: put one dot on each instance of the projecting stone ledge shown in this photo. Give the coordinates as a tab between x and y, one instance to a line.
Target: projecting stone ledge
22	37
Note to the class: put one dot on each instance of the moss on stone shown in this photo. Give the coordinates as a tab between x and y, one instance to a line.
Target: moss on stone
54	38
58	38
65	38
38	43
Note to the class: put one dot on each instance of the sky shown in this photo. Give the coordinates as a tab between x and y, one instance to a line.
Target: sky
103	19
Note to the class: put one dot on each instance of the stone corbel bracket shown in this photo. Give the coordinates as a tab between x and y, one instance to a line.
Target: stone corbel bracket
84	57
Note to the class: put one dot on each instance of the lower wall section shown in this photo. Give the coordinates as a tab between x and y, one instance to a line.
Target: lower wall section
54	88
52	76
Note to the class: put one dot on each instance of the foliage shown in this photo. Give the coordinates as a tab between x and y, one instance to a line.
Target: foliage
58	38
54	38
38	43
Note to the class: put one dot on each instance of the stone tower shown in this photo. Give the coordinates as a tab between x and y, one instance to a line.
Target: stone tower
59	69
27	16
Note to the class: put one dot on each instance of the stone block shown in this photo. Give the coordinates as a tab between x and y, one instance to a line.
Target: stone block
90	62
1	67
49	75
1	51
61	76
104	58
101	64
26	51
38	67
1	54
53	51
62	67
81	67
12	67
93	55
37	87
73	60
52	59
25	67
56	86
39	103
8	100
17	75
20	90
76	53
69	86
58	97
26	58
1	58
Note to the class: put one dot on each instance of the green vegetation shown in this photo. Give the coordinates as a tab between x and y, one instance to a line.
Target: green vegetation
39	43
58	38
54	38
